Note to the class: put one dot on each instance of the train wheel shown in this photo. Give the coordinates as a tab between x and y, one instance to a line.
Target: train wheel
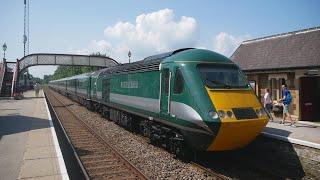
179	147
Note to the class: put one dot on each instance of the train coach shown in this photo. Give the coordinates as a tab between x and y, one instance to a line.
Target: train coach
186	99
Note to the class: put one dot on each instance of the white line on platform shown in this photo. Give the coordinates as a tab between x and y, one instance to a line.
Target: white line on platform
62	166
292	140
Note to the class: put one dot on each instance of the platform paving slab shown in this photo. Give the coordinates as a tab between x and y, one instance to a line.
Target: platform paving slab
40	139
307	134
39	167
55	177
28	144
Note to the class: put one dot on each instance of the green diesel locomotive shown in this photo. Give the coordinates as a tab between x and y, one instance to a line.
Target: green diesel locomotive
188	98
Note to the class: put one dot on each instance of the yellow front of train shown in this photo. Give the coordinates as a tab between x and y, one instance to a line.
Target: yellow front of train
241	115
242	118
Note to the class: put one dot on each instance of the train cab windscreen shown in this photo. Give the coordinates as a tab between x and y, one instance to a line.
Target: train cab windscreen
222	76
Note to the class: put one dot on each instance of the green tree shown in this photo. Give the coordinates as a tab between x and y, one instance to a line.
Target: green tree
68	71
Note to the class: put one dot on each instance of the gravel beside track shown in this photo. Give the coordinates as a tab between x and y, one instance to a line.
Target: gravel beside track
152	161
100	160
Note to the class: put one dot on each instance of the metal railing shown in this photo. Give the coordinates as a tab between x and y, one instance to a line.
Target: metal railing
65	60
54	59
2	71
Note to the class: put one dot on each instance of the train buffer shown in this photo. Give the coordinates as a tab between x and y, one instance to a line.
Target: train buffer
28	142
305	133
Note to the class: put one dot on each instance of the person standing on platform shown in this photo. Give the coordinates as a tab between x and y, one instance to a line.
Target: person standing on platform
37	89
267	102
286	99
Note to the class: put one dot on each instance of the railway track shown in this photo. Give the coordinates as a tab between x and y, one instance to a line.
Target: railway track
98	158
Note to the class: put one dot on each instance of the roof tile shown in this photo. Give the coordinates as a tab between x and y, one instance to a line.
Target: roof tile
291	50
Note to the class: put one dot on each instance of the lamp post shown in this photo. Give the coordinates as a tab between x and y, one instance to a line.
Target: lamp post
4	48
129	55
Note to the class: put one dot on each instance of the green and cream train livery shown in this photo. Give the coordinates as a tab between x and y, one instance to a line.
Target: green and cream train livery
192	95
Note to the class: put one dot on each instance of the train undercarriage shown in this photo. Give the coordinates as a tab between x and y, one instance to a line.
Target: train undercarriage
159	134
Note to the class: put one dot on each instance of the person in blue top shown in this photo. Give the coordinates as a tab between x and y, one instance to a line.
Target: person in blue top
286	99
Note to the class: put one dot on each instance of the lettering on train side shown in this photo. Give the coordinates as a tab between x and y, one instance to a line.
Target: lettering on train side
130	84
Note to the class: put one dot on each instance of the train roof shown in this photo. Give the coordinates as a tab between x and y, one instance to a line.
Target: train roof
147	64
153	62
199	56
80	76
97	73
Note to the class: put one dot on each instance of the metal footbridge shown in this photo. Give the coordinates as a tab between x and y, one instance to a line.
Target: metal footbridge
10	71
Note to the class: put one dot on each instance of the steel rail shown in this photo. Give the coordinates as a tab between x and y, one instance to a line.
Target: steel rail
128	164
68	139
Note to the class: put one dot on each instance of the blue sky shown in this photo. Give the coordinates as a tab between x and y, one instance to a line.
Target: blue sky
147	27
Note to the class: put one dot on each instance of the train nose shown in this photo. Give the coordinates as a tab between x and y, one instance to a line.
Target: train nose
239	121
234	135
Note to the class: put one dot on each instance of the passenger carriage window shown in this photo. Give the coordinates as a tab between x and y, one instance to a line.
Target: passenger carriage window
165	80
178	82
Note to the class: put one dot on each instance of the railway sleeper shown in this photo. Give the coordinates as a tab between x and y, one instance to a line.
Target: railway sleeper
95	157
119	174
160	135
99	162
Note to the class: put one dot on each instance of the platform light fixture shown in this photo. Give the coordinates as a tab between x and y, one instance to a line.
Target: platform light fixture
129	55
4	48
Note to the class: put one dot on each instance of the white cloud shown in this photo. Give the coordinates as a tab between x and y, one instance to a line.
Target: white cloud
94	46
226	44
100	46
151	33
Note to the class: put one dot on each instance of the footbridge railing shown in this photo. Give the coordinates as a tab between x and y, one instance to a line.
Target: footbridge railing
58	59
66	60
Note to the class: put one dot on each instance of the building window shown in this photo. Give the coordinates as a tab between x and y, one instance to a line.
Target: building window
274	89
281	82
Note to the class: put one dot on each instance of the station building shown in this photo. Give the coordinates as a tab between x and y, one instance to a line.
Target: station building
292	58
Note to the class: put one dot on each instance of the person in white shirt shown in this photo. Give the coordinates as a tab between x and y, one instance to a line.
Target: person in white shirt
37	89
267	102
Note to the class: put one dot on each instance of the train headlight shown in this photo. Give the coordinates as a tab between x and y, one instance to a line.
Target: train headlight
259	113
221	114
229	114
213	114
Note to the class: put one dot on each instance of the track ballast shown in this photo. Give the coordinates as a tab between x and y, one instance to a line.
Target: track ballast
99	159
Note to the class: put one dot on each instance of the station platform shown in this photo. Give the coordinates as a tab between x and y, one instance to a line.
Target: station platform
29	148
305	133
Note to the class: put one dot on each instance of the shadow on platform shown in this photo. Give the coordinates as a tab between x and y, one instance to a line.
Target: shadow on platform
12	123
306	125
264	158
277	131
8	109
33	97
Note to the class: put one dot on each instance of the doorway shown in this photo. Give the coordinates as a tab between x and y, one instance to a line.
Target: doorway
310	98
165	92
